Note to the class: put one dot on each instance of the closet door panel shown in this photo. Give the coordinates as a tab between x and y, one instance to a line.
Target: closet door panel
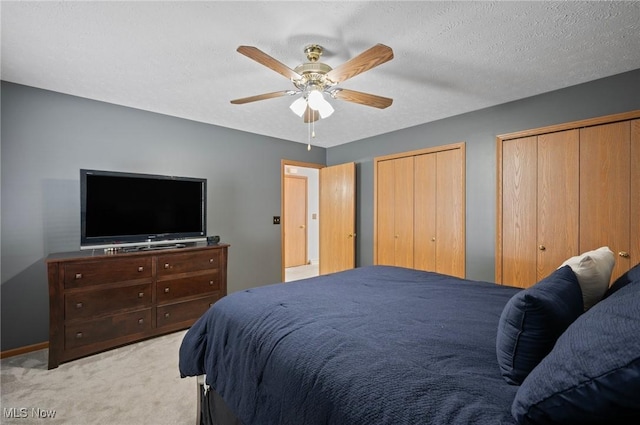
385	232
403	221
557	199
605	171
425	212
635	194
450	243
519	192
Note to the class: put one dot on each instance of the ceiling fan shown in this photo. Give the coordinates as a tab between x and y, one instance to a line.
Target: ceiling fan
313	79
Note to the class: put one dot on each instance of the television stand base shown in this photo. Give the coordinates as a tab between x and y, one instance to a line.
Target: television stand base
157	247
153	247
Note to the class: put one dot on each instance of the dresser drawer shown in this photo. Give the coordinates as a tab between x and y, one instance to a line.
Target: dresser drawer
106	271
173	289
89	304
188	262
184	311
100	330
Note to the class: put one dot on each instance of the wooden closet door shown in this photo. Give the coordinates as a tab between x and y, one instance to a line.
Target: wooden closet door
425	212
635	194
605	176
557	200
519	218
450	217
385	213
403	215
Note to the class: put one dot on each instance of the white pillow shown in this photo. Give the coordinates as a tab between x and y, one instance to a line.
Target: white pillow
593	270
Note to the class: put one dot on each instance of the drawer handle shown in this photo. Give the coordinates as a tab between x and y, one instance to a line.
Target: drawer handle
140	321
210	304
166	315
140	294
211	260
623	254
79	335
140	269
166	265
78	276
79	305
166	290
211	282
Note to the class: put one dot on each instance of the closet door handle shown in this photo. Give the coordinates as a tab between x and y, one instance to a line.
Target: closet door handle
542	247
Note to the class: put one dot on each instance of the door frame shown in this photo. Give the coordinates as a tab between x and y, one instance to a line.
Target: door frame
283	164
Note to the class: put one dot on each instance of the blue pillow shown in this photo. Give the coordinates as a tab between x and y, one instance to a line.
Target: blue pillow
592	375
532	321
632	274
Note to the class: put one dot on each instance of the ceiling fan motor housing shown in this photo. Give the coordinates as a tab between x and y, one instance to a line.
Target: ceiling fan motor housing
313	74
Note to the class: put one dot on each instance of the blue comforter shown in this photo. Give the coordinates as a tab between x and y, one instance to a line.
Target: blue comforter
373	345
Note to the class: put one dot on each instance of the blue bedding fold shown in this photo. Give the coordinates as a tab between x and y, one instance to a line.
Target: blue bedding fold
373	345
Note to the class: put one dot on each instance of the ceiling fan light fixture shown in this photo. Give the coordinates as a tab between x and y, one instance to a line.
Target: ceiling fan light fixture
325	110
315	99
299	106
318	103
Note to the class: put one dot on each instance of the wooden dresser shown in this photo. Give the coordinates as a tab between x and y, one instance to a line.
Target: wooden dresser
98	300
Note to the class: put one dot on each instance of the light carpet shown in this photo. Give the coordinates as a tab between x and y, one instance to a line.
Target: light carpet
136	384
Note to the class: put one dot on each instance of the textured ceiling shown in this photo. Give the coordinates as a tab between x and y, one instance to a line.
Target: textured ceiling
180	59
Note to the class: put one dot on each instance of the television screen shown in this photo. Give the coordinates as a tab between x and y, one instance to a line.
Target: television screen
121	208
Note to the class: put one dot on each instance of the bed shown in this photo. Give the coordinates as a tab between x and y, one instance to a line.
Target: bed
372	345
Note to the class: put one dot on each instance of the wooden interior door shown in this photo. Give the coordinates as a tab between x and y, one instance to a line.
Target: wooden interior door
337	217
450	218
295	221
519	203
425	212
605	173
558	202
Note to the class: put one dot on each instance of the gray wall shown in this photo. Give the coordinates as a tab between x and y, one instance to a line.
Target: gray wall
47	137
620	93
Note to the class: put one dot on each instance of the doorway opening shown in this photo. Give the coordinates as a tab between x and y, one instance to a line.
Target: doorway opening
300	220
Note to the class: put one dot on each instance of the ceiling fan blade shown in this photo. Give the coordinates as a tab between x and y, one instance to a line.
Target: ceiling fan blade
362	98
311	115
268	61
366	60
262	97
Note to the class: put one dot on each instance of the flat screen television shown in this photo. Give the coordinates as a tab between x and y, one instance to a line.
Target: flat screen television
127	209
